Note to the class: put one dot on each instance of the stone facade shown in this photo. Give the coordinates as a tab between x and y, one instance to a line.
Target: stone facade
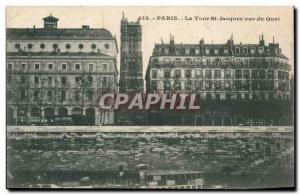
221	73
56	76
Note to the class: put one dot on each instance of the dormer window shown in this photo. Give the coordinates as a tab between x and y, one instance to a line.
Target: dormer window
245	51
216	51
207	50
177	51
237	50
260	50
252	50
187	51
80	46
166	50
226	50
197	50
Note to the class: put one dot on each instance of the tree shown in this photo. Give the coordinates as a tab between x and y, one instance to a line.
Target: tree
18	85
80	94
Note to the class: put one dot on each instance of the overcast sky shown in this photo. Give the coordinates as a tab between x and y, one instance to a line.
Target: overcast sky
185	31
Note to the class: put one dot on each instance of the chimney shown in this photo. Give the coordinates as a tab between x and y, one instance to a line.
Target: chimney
85	27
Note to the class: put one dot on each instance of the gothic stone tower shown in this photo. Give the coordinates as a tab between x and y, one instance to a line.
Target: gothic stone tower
131	76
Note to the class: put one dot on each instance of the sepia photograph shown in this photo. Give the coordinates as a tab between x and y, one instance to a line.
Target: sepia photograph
150	97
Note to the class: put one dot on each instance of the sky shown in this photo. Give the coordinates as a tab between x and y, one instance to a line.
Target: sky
184	31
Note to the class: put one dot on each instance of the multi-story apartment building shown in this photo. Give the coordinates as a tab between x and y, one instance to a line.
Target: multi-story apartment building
239	78
56	75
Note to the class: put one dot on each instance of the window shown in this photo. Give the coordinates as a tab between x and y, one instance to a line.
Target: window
187	51
22	95
154	85
154	73
68	46
90	79
29	46
216	51
238	74
254	74
246	74
9	78
62	95
9	66
167	85
50	66
188	85
218	85
167	73
225	50
77	80
199	84
207	51
63	80
17	46
77	95
187	61
104	66
177	51
36	80
36	66
237	50
49	95
42	46
80	46
49	80
198	74
208	74
23	79
238	85
55	46
188	73
77	66
208	85
262	74
64	66
91	67
178	61
270	74
217	74
106	46
177	73
104	81
227	85
227	74
23	66
93	46
36	95
90	95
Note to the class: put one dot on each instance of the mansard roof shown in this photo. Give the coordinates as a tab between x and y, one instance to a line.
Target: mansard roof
57	34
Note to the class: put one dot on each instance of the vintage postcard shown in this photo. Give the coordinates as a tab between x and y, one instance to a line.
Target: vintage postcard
150	97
